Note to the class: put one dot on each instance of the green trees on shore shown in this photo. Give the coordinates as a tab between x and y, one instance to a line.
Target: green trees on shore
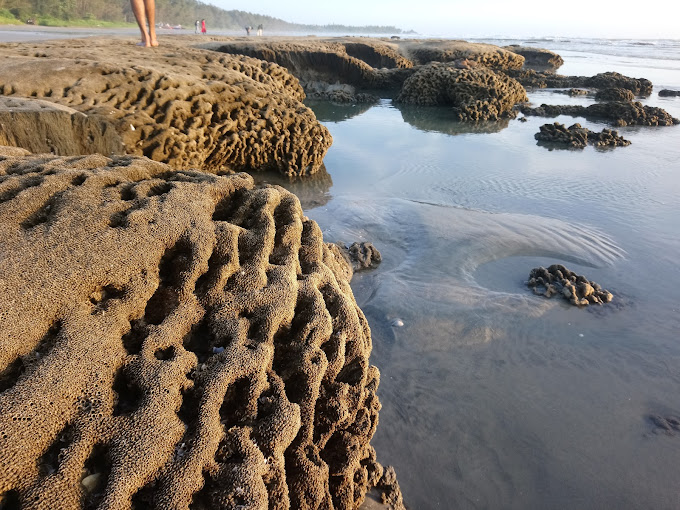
174	12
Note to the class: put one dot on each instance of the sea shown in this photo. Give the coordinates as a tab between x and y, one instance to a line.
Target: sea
493	397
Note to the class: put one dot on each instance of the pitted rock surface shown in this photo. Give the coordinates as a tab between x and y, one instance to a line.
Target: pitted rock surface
175	340
576	289
424	51
175	104
579	137
475	94
614	94
618	113
537	57
538	79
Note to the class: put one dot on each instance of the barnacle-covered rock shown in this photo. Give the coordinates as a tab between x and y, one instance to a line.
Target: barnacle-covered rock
175	339
576	289
474	94
184	106
579	137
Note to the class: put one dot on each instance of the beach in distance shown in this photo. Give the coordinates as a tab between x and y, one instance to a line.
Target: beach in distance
187	323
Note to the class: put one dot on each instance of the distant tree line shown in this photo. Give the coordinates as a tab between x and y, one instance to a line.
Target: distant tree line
174	12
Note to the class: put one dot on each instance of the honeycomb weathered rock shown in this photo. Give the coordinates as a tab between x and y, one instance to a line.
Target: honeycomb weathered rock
175	340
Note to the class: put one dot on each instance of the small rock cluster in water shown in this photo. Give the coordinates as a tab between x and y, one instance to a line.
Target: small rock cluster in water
577	289
577	136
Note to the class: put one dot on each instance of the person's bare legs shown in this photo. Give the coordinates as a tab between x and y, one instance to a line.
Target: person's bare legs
142	10
150	6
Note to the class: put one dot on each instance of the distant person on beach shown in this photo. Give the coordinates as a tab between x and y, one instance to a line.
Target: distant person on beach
145	11
259	29
248	29
203	29
198	26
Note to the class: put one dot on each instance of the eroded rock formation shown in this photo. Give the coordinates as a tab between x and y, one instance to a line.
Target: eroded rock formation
535	79
576	289
537	58
579	137
175	340
475	94
614	94
322	61
617	112
188	107
45	127
669	93
424	51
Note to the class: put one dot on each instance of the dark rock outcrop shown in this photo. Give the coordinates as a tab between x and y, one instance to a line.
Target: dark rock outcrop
187	107
474	94
614	94
578	137
176	340
669	93
618	113
537	58
535	79
576	289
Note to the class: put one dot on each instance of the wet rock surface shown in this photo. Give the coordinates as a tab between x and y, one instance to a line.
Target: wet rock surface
614	94
183	106
558	280
361	255
537	58
618	113
579	137
200	342
669	93
474	94
537	79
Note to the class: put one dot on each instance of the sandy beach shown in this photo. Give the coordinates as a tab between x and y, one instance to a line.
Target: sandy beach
186	324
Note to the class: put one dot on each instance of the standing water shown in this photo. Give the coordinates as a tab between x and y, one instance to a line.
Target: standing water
494	397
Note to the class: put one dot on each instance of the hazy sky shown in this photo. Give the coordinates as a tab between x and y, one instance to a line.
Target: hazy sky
466	18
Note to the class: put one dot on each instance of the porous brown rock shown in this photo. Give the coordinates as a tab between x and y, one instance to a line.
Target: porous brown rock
576	289
309	61
614	94
424	51
547	79
669	93
180	105
44	127
537	58
619	113
360	255
474	94
175	339
579	137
